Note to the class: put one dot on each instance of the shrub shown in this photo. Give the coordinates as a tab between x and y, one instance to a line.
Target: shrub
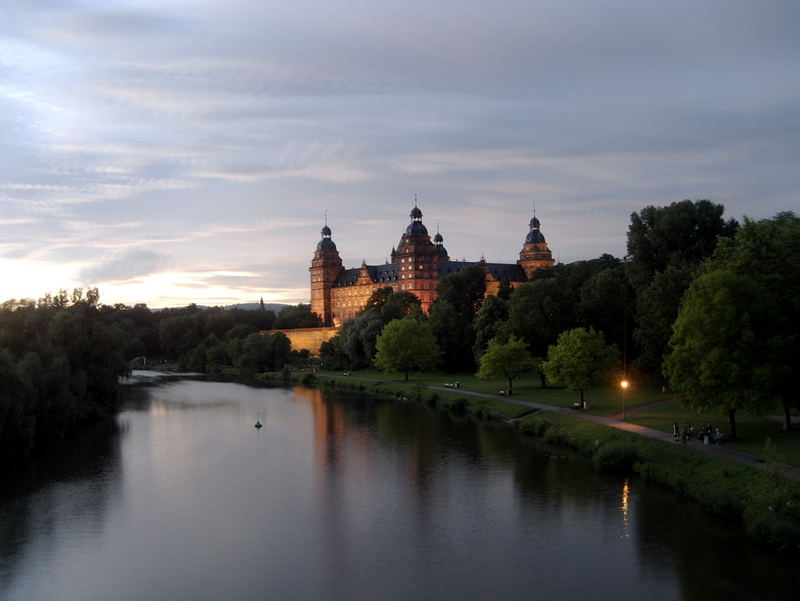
556	435
617	455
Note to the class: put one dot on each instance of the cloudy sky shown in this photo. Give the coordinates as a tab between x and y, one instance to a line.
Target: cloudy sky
176	151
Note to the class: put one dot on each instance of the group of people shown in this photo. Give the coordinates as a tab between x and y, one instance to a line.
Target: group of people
706	435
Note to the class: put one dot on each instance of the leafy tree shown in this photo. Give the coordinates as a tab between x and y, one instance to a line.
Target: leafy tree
656	310
666	244
489	322
726	350
581	359
679	235
464	290
460	295
454	333
261	352
505	360
406	344
399	305
296	316
602	303
358	337
768	253
217	357
564	297
538	311
378	299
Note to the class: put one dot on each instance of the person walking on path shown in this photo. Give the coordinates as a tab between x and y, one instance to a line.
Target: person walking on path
675	431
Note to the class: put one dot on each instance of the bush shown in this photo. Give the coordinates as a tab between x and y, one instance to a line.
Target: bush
773	529
458	406
556	435
617	455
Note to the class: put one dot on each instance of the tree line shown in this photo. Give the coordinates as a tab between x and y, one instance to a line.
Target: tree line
702	304
62	356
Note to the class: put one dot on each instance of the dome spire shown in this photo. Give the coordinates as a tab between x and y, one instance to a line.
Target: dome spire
534	224
416	214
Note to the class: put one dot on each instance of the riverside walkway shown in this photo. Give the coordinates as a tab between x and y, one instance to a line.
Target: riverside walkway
720	451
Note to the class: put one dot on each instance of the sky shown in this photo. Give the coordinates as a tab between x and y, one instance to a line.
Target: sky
178	151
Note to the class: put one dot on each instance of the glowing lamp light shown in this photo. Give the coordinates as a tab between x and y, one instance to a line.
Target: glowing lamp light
624	384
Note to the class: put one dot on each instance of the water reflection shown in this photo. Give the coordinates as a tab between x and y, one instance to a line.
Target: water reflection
345	497
65	488
625	508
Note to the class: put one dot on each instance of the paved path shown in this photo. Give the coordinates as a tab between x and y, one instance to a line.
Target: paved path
721	451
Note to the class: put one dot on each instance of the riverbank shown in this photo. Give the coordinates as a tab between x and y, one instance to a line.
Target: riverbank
757	498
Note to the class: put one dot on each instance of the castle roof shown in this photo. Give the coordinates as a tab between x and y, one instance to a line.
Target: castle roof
326	243
415	228
534	236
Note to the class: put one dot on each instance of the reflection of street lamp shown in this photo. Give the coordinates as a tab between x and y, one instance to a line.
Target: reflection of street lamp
624	385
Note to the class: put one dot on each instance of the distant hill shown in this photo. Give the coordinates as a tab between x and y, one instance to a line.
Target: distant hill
277	307
250	306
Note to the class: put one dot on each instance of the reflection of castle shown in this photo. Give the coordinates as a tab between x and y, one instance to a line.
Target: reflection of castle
337	294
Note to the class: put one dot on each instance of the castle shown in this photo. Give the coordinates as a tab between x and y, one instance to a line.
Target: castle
338	294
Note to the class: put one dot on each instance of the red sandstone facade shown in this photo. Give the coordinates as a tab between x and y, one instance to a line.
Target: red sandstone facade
338	294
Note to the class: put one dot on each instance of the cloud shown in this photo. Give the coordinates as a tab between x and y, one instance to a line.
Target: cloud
128	266
221	132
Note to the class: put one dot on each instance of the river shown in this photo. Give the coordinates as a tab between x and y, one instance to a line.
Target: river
340	497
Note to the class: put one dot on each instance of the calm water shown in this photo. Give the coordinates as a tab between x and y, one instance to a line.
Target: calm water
344	498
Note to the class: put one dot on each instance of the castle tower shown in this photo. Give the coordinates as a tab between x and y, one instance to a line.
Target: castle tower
441	251
535	254
325	268
417	259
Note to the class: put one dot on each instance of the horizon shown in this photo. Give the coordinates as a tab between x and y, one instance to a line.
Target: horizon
191	153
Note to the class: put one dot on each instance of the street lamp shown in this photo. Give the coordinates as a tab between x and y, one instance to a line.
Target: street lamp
624	385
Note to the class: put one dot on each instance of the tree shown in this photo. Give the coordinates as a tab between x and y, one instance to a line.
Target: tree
656	309
666	245
768	252
603	300
581	359
538	311
460	295
488	323
297	316
378	299
454	333
725	350
358	337
260	352
505	360
464	290
399	305
681	234
404	345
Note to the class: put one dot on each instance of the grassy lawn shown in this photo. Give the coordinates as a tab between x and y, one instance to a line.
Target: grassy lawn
602	401
753	430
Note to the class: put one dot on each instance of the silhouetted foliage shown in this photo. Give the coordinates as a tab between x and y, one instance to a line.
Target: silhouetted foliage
296	316
59	366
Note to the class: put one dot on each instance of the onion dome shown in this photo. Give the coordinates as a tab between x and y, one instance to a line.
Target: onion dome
415	228
438	238
534	236
416	213
326	243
